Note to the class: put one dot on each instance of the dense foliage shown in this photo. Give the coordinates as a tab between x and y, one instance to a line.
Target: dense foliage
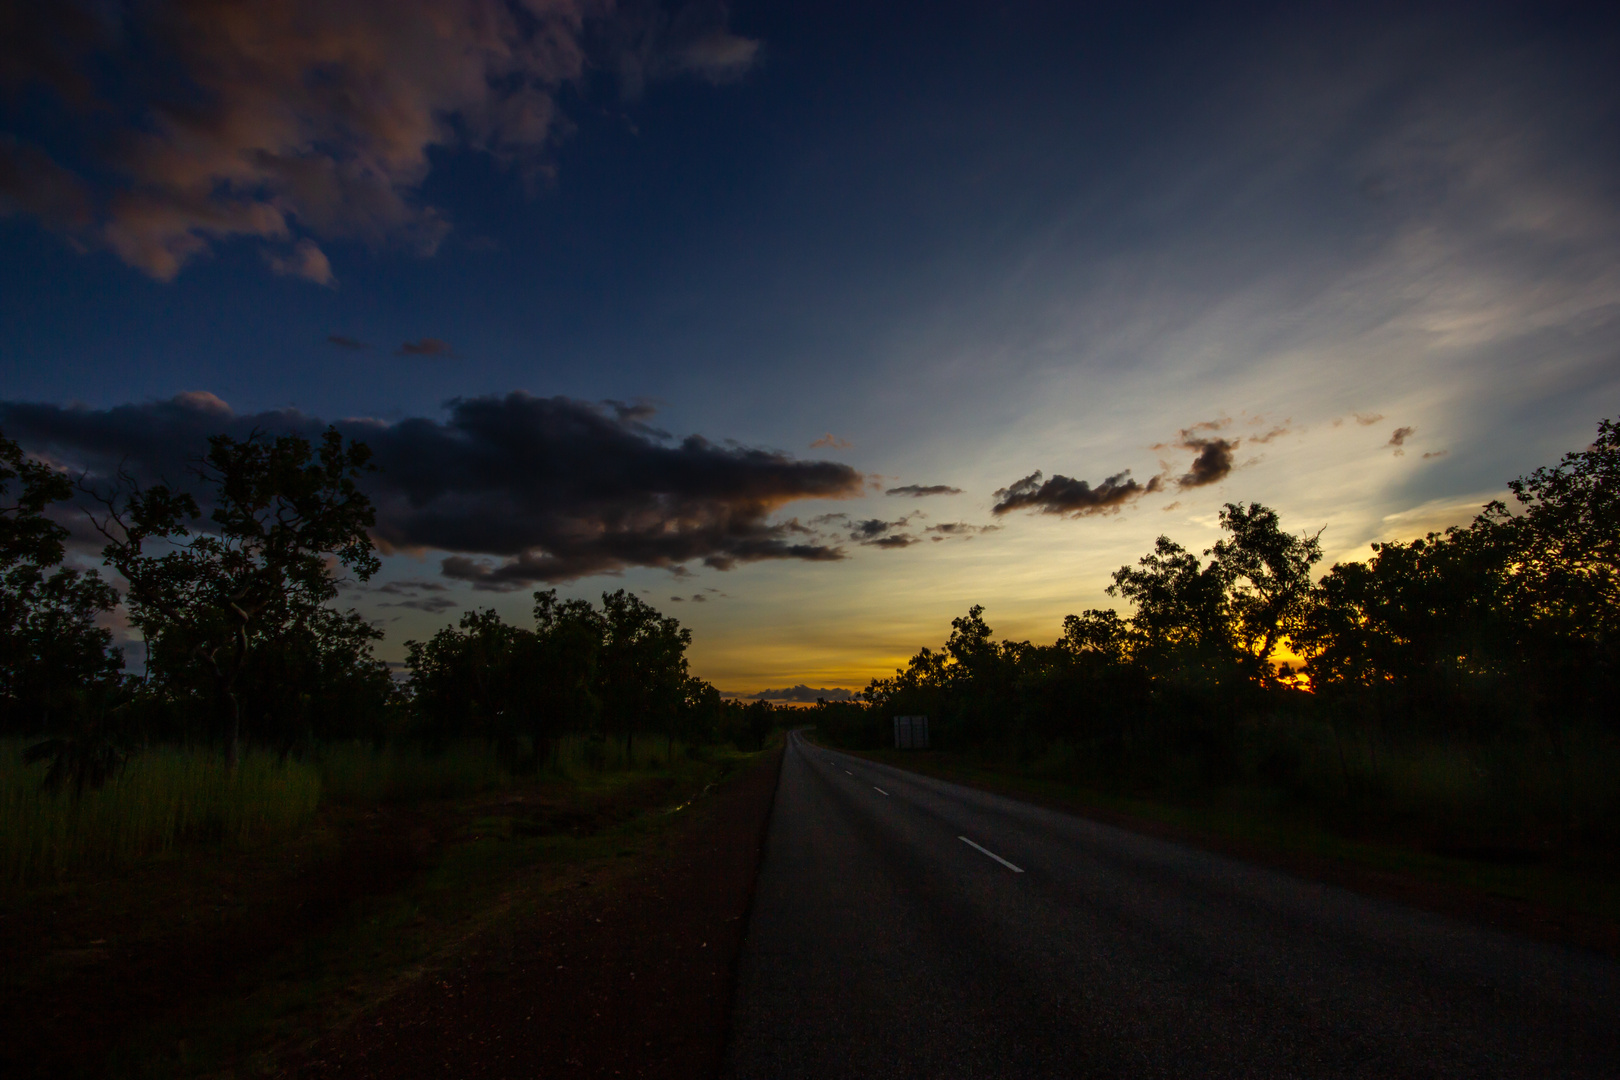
234	585
1502	633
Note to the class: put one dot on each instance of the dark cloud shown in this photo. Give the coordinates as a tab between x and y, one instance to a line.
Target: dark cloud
872	528
875	532
544	489
960	528
830	441
1070	497
294	121
678	599
344	342
426	347
1213	463
917	491
1431	455
1368	419
802	693
1398	438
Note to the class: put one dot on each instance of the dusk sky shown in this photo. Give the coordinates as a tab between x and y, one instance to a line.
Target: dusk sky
772	312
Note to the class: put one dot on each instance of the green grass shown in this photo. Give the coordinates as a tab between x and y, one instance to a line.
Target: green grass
162	799
168	797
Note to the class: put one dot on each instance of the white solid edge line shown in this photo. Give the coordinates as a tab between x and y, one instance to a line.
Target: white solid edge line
879	790
848	773
993	855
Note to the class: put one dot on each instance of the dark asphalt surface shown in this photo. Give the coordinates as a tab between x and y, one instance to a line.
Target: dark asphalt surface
882	945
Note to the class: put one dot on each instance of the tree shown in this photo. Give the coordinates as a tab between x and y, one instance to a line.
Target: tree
643	665
283	515
53	656
1267	577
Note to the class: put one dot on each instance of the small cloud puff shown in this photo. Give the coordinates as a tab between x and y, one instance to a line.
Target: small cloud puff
306	260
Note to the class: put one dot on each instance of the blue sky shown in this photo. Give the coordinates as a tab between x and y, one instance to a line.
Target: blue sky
966	242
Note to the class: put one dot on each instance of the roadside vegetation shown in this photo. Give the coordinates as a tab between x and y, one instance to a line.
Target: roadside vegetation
265	829
1457	695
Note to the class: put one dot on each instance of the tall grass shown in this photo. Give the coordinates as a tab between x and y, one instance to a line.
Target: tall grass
359	774
172	796
161	799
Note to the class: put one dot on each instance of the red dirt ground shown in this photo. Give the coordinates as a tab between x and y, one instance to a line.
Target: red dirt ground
631	977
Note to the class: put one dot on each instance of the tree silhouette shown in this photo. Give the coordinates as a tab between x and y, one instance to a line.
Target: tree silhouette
205	594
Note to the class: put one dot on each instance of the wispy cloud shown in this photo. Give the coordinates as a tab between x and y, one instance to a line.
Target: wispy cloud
426	347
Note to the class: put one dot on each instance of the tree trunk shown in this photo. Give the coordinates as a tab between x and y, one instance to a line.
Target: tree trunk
233	729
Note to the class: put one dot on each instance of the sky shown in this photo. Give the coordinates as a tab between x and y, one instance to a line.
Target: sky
816	323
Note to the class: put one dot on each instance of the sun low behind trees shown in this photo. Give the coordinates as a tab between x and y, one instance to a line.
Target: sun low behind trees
1472	673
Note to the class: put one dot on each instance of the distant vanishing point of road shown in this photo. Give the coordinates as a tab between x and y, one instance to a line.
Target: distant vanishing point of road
907	927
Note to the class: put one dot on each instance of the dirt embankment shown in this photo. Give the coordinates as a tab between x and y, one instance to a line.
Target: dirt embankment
626	974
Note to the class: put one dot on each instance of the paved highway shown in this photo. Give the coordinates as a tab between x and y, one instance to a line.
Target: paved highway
903	926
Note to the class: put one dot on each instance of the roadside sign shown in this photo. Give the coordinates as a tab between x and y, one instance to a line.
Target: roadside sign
911	733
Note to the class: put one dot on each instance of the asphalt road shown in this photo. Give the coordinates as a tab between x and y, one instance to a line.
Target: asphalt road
882	943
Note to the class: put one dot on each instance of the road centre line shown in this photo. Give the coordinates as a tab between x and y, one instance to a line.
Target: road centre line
993	855
879	790
848	773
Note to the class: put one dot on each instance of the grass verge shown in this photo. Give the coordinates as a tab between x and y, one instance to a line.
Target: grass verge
212	960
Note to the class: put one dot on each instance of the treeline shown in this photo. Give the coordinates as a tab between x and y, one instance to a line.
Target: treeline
1502	633
236	598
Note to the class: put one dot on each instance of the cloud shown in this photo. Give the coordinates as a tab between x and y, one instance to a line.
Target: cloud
830	441
1213	463
651	44
427	346
1368	419
1398	439
1069	497
718	56
917	491
32	183
344	342
961	529
1431	455
802	693
305	260
1276	432
287	120
517	489
875	532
